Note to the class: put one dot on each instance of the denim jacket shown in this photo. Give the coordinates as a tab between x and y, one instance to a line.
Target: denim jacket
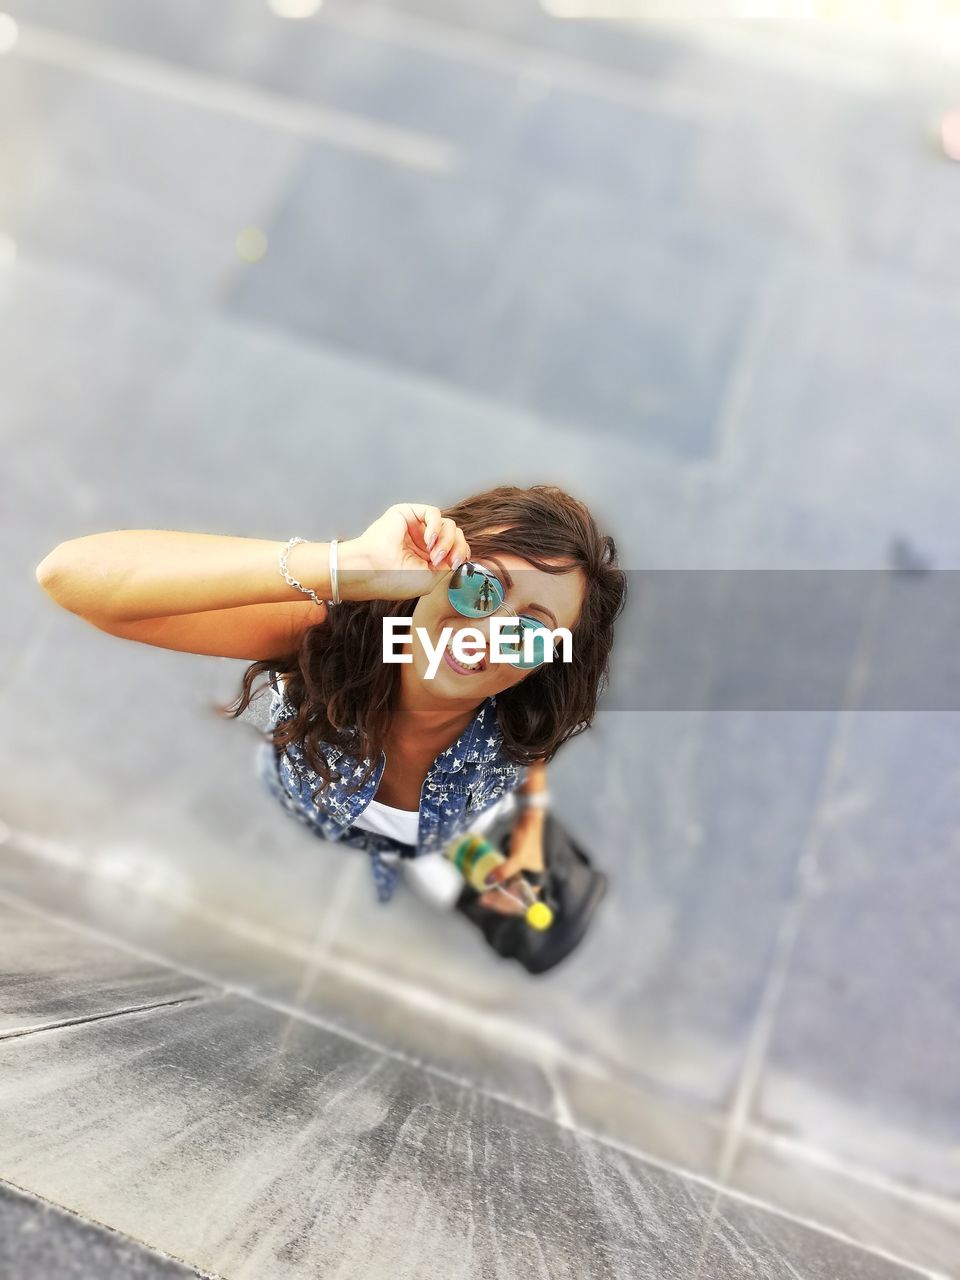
468	777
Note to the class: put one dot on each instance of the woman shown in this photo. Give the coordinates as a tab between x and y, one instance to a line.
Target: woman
382	755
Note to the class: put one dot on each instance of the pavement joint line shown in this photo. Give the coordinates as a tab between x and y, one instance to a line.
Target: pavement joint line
788	930
741	376
944	1205
16	1033
29	1193
518	59
579	1129
232	98
562	1113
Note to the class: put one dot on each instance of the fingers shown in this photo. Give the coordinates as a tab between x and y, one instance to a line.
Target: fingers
459	549
432	529
510	899
423	522
438	535
499	900
443	542
443	550
507	869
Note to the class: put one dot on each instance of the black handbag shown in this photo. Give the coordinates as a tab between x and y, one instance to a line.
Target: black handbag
571	886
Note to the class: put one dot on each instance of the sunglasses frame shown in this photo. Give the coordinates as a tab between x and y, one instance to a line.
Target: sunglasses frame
472	566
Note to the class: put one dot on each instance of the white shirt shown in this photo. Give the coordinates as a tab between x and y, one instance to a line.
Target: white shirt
401	824
404	824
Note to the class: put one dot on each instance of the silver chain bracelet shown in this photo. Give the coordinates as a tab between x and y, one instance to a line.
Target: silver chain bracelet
334	583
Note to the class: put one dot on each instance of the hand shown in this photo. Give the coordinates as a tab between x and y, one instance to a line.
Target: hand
526	854
401	555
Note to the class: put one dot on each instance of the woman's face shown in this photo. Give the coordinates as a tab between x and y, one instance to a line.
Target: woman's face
552	598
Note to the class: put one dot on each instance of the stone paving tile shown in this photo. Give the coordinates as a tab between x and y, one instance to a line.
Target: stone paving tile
52	976
39	1240
246	1141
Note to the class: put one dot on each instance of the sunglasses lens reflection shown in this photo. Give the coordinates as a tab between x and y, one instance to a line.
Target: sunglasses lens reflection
538	647
514	642
474	593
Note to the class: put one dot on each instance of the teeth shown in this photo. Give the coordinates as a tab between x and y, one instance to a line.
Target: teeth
479	664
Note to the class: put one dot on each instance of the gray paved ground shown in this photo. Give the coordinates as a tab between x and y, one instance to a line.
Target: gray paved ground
254	1143
715	295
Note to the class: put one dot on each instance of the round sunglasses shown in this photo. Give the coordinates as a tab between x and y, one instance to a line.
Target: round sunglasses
475	592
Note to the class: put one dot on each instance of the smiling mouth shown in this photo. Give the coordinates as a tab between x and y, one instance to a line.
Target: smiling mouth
462	668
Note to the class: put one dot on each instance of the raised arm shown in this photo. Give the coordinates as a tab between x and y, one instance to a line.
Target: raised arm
225	596
131	574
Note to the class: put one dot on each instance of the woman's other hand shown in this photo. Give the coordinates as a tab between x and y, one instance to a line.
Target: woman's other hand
526	854
401	555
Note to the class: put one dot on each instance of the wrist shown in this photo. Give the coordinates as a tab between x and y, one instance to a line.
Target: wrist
534	793
353	570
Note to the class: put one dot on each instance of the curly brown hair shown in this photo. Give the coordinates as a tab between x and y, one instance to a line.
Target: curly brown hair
346	696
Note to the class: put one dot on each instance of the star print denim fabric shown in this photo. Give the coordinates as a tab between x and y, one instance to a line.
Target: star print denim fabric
465	780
